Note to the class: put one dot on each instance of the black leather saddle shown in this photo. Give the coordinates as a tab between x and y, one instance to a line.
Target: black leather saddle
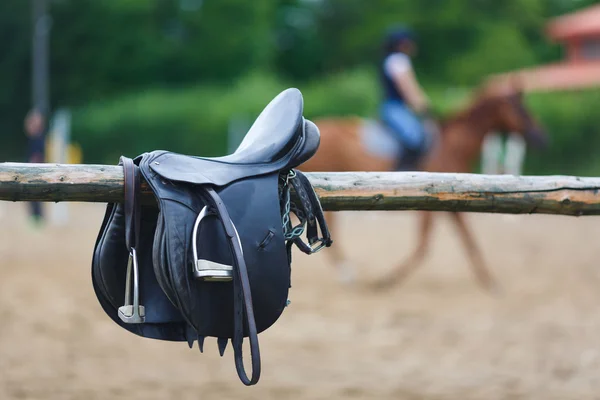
213	259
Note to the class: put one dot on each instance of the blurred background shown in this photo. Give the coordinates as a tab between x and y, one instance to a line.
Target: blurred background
180	74
125	76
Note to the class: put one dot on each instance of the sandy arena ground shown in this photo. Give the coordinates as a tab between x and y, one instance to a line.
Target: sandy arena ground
437	337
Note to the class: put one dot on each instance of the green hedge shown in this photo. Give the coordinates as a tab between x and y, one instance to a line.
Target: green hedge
573	124
195	120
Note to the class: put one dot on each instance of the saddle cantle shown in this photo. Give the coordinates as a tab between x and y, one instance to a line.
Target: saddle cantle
213	259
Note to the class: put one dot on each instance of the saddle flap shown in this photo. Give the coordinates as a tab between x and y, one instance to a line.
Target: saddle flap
109	275
254	209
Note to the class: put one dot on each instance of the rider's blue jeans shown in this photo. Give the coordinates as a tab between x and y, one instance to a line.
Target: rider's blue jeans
404	124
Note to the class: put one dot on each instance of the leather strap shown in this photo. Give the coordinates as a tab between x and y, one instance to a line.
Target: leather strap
242	298
316	208
313	212
132	205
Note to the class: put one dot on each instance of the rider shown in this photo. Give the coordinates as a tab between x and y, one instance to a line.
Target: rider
405	109
35	128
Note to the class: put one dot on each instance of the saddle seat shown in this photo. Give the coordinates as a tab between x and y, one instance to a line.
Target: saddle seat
279	138
273	133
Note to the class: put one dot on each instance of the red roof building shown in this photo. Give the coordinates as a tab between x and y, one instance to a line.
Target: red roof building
579	32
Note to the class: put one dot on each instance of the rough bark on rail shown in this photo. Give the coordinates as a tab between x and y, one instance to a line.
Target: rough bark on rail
338	191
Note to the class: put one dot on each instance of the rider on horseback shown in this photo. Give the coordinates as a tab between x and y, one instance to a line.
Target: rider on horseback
405	109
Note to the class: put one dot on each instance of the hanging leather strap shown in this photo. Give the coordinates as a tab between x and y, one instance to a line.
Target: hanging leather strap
132	205
313	212
242	298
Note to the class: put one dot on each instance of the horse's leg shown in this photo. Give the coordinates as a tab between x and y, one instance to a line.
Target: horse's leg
515	154
416	258
516	149
490	153
344	268
482	274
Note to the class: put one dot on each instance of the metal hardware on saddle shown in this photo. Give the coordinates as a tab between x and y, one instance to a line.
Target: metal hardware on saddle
309	212
205	269
132	312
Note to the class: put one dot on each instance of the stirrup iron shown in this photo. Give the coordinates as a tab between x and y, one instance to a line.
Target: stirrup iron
207	270
132	313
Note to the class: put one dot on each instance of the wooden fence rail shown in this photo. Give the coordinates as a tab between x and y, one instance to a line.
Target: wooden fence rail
563	195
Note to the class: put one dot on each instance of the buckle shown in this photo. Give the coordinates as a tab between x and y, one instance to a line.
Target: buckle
320	244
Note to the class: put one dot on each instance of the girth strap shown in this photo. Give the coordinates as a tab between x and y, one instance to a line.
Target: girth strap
242	302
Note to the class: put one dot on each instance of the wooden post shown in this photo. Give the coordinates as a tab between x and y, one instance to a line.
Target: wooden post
340	191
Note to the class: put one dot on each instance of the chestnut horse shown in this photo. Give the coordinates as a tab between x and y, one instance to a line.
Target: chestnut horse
493	109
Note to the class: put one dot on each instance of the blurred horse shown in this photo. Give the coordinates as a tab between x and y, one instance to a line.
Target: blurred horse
359	145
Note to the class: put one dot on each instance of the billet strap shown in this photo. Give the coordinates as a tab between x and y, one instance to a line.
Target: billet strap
242	298
311	206
132	205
